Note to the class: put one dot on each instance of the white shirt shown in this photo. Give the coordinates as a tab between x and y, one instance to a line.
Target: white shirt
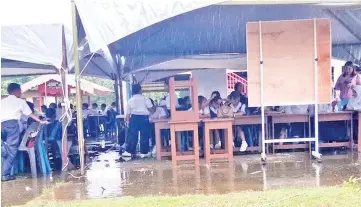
12	108
158	114
166	102
85	113
59	113
205	111
239	108
139	105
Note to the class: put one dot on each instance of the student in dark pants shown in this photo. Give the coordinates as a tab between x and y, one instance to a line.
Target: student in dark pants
12	107
137	116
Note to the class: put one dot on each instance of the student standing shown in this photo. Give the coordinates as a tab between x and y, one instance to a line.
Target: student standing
12	107
138	110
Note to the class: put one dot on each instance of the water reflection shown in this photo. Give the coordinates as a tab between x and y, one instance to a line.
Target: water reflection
107	177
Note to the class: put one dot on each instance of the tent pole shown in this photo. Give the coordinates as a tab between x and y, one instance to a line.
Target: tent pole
78	91
63	75
118	95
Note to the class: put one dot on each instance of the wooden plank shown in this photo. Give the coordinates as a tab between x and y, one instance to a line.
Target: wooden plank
288	55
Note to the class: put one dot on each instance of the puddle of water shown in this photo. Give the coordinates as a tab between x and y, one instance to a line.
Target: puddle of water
107	177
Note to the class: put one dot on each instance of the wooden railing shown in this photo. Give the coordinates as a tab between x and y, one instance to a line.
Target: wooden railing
233	78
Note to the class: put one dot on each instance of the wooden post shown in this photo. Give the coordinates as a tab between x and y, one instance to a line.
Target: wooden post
78	91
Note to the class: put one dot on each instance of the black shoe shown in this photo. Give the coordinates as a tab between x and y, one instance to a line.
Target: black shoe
7	178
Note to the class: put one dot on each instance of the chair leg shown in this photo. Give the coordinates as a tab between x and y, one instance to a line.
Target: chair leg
32	158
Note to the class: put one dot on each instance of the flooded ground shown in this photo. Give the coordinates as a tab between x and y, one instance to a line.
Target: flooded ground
109	177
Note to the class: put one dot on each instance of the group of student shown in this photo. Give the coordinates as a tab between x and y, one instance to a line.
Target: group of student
141	111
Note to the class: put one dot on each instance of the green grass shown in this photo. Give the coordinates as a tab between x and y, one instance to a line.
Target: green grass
320	197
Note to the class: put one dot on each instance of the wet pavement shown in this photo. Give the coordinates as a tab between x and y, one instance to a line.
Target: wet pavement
108	177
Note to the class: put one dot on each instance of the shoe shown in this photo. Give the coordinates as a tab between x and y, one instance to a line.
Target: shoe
218	145
211	146
126	154
243	147
5	178
154	151
144	155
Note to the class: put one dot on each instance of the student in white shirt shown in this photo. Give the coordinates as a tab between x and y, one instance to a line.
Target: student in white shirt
94	110
103	109
12	108
239	108
138	110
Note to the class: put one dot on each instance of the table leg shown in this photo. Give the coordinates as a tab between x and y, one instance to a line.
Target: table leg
351	133
173	145
207	150
273	137
196	143
158	142
228	143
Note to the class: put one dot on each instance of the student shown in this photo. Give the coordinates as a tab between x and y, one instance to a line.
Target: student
293	129
137	116
215	134
239	108
94	109
216	94
52	105
103	109
12	107
59	111
159	113
203	107
85	111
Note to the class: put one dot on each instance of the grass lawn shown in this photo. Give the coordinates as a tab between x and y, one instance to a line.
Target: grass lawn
320	197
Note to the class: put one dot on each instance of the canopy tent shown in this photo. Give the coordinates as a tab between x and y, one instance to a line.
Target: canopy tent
221	29
87	87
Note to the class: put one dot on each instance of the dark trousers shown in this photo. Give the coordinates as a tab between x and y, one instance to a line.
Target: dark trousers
138	123
10	140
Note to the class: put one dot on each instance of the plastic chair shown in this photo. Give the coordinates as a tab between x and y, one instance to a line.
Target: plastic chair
31	151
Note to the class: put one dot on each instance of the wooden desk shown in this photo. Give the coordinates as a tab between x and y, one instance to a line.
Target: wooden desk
215	124
249	120
282	118
158	126
337	116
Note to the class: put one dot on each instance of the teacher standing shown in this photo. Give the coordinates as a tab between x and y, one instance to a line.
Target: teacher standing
347	81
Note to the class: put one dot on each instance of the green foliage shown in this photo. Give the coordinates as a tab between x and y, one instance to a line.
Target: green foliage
20	80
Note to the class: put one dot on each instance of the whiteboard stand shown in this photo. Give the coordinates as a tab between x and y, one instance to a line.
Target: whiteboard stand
316	154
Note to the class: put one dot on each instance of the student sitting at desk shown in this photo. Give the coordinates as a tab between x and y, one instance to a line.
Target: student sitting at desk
293	129
159	113
239	109
215	134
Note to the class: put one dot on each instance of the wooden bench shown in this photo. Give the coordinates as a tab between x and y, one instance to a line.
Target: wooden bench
338	116
282	118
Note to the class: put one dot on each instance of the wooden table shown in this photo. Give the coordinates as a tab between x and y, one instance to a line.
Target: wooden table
216	124
158	126
249	120
337	116
282	118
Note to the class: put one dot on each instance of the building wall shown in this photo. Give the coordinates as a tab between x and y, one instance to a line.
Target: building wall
210	80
